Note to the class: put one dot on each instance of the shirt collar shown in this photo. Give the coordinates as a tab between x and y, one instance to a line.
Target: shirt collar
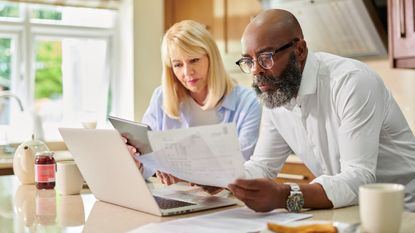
229	101
290	105
309	76
308	84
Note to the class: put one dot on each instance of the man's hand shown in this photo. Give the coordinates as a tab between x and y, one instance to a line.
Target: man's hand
261	195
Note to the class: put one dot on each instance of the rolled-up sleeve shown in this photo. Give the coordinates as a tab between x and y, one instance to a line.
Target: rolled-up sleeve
359	102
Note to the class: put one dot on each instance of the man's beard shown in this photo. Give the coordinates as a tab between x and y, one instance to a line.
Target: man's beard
282	88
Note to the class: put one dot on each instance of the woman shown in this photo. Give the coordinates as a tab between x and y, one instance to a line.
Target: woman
196	90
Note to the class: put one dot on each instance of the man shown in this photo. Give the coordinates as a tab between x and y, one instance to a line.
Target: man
333	112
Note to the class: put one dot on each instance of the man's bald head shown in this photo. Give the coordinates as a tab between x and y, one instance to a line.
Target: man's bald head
272	27
276	22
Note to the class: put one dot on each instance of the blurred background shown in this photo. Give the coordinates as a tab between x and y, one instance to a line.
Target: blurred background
64	62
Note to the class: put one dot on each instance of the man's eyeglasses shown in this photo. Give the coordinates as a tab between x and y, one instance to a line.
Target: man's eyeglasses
265	60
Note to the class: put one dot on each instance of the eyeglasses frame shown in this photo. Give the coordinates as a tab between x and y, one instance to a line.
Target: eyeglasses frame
280	49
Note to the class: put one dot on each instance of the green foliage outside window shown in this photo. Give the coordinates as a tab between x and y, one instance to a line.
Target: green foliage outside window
9	10
5	60
49	72
46	14
48	77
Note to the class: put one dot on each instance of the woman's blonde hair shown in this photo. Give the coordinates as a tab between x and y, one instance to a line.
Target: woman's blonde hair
191	38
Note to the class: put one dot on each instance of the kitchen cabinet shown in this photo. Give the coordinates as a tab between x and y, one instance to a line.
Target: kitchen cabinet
401	23
225	19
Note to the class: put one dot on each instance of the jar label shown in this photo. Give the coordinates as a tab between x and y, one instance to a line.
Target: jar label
44	173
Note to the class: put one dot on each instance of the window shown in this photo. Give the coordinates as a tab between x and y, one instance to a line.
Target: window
9	10
7	71
57	61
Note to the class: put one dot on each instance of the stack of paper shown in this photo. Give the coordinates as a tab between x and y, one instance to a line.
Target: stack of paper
207	155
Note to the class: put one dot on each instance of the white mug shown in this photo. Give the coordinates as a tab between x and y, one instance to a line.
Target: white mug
381	207
69	180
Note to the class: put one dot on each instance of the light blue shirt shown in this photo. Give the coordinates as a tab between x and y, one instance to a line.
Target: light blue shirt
240	106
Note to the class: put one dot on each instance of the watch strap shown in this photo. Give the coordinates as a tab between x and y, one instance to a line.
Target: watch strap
295	200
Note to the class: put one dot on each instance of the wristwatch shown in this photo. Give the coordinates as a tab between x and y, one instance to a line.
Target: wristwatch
295	200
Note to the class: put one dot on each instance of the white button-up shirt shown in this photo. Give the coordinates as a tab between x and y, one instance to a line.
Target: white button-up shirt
344	125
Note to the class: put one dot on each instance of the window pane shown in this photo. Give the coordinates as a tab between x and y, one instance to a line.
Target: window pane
5	63
46	13
48	76
5	74
75	16
9	10
71	78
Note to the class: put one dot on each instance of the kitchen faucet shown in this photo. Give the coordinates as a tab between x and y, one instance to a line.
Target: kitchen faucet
36	122
8	94
7	148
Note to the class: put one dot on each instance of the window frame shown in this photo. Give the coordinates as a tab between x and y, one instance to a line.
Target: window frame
26	31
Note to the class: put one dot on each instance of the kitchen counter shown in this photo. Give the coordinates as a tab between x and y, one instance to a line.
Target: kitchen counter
23	208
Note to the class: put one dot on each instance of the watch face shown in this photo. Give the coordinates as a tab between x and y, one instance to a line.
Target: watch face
295	202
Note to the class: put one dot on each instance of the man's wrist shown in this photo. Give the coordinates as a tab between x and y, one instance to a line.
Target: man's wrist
284	192
295	200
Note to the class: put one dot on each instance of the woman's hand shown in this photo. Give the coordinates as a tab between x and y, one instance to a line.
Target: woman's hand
133	152
212	190
167	179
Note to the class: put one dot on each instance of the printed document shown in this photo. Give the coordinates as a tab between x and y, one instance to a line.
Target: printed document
229	221
207	155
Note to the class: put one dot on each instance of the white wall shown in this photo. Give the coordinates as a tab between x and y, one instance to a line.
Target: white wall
148	31
124	59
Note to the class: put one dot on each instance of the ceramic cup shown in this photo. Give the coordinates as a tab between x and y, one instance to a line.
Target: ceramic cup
69	180
381	207
88	119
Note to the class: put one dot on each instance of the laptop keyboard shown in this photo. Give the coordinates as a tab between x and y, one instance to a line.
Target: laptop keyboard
170	203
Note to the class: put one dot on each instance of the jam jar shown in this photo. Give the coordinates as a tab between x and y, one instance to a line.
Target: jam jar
45	168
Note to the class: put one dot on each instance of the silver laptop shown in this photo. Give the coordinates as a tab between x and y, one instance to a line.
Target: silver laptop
113	177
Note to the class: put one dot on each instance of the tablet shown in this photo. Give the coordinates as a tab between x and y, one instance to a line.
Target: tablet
136	133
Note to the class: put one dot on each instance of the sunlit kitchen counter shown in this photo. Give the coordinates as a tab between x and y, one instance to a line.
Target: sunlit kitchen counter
25	209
